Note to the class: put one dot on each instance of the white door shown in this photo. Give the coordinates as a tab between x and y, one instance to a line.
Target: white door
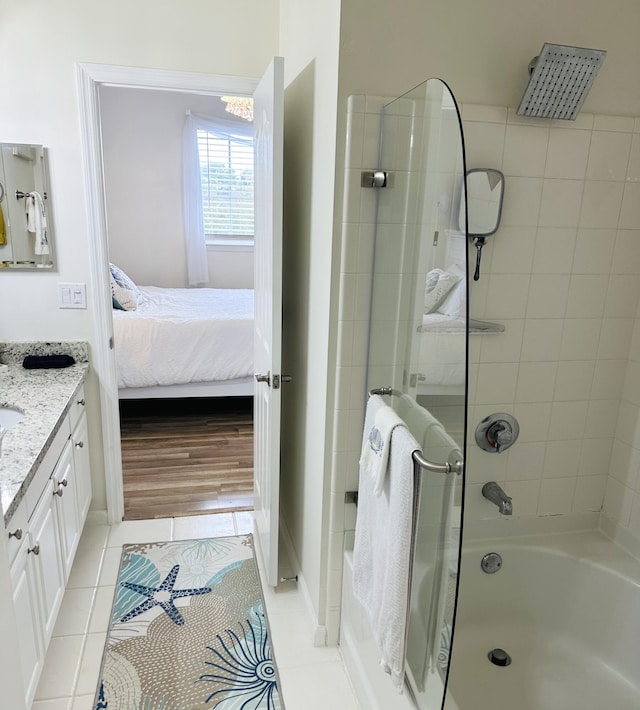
268	122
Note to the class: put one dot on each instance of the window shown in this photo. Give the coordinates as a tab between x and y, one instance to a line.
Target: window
226	176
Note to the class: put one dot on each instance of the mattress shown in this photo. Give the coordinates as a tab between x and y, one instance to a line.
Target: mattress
182	335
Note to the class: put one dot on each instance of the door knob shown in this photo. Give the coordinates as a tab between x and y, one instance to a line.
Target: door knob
264	378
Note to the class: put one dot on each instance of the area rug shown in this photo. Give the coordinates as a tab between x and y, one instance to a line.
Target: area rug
189	630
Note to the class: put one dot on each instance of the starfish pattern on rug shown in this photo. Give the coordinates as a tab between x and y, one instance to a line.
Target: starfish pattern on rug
162	596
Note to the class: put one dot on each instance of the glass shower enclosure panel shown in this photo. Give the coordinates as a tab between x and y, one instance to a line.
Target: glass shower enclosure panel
418	349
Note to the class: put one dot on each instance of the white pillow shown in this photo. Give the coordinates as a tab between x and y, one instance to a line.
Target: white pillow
455	302
123	280
437	286
126	298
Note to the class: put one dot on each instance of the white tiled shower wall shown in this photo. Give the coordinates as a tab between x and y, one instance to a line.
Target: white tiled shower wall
563	275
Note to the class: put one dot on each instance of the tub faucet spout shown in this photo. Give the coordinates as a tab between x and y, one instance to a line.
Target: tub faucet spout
493	492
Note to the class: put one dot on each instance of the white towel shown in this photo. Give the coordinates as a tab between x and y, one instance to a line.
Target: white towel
374	456
37	221
418	419
383	547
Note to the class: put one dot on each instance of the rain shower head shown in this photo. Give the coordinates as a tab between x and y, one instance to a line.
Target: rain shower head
560	81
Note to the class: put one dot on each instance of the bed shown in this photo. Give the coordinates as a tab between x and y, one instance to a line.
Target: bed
442	358
184	342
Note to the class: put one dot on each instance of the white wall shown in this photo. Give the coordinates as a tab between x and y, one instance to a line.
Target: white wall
40	105
482	50
309	43
142	152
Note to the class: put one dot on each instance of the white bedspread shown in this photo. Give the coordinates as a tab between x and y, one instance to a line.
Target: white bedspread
442	350
182	335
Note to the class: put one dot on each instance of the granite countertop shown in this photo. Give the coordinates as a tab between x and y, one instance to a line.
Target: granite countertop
44	396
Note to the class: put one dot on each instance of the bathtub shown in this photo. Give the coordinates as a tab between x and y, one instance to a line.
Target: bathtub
566	608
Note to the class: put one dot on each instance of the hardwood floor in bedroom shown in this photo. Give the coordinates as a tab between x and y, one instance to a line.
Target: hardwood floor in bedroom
186	457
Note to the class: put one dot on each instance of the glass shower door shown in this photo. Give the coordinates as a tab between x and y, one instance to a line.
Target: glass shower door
418	349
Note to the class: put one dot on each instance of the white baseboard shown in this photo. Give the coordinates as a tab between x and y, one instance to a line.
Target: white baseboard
319	630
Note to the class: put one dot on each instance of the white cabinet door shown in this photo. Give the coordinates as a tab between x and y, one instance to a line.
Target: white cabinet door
66	501
27	611
82	467
47	559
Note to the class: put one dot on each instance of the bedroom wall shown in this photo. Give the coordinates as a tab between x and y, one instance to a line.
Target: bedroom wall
40	105
142	143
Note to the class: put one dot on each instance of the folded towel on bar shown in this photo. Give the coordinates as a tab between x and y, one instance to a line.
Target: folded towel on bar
37	221
418	420
382	554
374	455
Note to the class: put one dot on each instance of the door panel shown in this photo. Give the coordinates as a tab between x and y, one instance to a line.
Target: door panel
268	114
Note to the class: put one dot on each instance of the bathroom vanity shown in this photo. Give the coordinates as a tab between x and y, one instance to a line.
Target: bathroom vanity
45	490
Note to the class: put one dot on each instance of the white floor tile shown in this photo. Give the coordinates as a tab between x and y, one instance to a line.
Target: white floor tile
244	522
90	665
101	614
57	704
86	567
83	702
197	526
60	668
110	566
317	687
97	517
75	611
293	641
133	531
284	600
94	535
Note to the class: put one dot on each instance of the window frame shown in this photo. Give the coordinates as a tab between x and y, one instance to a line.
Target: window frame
225	241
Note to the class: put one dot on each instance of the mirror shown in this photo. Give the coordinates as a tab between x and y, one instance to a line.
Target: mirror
485	190
26	224
484	193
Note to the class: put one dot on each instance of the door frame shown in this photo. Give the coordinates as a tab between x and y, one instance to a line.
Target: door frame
90	77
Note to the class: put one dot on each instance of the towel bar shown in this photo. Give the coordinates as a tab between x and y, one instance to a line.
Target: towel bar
20	195
455	467
385	391
447	467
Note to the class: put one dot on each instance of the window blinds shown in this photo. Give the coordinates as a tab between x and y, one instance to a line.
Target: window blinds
226	170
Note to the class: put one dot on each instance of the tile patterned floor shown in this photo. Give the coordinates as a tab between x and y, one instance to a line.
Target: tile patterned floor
312	678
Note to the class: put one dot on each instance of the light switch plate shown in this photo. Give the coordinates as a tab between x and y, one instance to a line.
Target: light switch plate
72	295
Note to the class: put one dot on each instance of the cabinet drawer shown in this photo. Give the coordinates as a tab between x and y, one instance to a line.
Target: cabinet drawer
34	491
77	408
16	531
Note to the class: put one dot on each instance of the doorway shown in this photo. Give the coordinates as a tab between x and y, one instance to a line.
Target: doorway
185	449
90	78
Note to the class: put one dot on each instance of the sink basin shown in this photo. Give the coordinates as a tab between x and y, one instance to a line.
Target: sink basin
10	416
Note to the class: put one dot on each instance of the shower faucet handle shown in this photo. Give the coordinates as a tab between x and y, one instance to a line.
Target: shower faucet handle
500	435
497	432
